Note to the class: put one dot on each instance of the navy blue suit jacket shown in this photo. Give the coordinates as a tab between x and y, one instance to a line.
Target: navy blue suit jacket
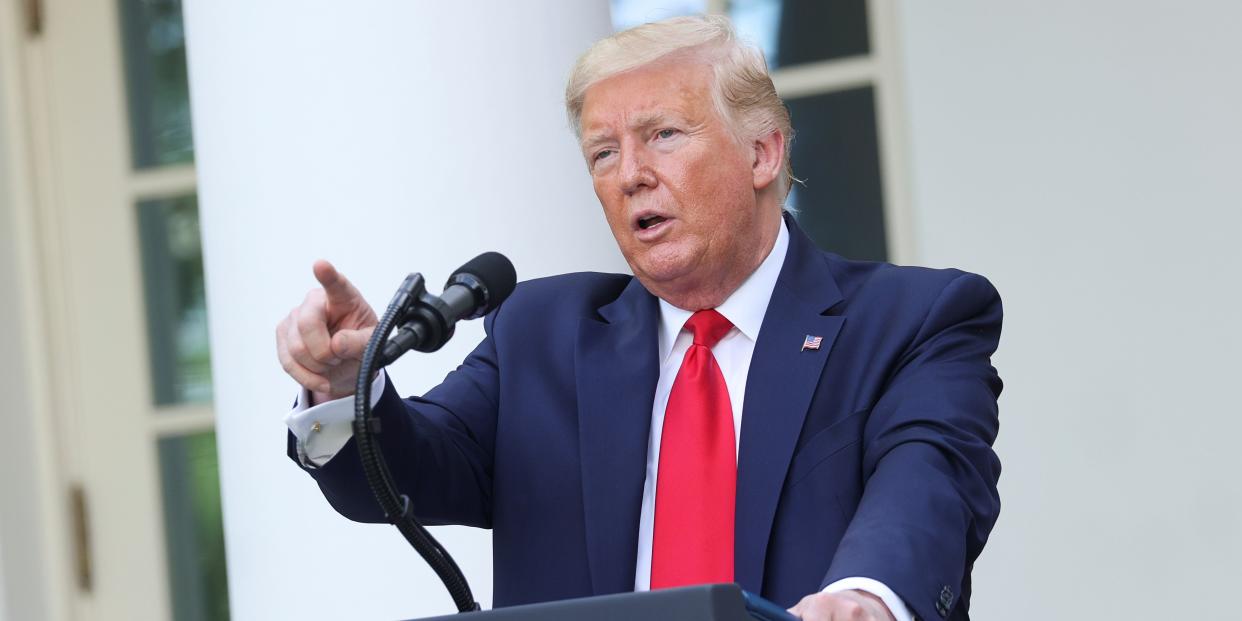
869	457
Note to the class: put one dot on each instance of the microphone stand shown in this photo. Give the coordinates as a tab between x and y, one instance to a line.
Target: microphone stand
411	298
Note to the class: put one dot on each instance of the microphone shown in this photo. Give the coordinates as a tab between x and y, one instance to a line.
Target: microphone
479	286
428	322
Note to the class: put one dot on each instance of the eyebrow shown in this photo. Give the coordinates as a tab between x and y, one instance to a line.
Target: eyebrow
642	120
590	142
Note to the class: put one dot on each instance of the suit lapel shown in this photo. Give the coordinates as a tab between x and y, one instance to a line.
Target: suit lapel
779	387
617	370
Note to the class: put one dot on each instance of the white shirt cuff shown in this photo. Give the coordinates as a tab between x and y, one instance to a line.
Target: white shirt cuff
895	605
322	430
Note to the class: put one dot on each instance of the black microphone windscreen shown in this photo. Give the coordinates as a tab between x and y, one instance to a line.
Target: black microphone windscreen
495	272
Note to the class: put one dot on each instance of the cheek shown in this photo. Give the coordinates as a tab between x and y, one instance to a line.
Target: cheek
607	200
601	189
709	184
616	216
715	200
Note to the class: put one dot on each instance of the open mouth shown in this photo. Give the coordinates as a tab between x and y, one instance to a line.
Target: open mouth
650	221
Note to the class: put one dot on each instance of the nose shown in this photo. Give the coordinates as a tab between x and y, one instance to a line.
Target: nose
636	171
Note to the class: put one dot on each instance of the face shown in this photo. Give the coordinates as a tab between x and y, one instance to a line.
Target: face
681	194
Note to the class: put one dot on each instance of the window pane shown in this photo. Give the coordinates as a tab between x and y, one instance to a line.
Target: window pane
630	13
172	272
835	150
793	32
159	101
193	527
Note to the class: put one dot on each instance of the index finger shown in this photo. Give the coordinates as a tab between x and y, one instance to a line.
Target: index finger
338	288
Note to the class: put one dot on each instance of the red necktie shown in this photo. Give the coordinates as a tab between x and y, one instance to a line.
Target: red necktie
697	479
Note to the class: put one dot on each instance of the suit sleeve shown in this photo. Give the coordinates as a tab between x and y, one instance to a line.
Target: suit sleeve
438	448
930	498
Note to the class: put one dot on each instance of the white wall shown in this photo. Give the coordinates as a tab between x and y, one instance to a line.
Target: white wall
3	606
1085	157
11	377
389	137
10	371
28	569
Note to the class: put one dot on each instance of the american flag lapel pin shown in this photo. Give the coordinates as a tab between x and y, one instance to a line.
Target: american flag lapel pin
812	343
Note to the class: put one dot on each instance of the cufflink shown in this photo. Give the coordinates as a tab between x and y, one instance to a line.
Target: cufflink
317	427
945	601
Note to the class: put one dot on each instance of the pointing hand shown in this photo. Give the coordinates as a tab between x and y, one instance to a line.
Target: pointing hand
320	342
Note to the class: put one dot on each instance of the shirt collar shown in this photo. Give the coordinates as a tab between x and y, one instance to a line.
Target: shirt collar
744	308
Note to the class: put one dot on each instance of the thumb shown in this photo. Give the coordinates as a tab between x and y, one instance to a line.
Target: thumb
349	344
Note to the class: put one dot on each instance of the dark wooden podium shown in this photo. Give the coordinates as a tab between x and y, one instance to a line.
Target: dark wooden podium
713	602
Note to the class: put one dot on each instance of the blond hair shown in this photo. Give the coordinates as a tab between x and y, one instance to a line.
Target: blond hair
742	90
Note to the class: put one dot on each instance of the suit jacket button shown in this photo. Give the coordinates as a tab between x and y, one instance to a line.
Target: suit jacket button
941	609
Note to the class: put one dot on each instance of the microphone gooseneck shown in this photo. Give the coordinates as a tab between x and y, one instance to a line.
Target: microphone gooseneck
474	290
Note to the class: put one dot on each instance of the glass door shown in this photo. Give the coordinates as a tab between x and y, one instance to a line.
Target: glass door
114	153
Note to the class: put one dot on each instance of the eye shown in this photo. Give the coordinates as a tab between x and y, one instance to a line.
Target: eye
601	154
665	134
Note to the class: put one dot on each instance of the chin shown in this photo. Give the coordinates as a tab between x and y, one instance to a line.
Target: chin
663	271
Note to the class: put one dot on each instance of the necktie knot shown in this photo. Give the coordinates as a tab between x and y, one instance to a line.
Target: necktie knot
708	327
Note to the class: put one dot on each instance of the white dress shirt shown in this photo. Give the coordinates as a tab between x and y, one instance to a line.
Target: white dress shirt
322	430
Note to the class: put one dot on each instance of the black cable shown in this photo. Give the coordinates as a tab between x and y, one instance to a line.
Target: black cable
397	507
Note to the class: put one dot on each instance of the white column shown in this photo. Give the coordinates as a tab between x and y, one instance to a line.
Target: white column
388	137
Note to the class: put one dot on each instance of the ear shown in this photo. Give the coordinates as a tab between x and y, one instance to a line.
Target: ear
769	154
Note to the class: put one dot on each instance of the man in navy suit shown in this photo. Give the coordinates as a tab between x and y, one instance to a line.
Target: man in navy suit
744	408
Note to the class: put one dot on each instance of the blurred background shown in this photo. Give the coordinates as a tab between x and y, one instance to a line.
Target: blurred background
168	172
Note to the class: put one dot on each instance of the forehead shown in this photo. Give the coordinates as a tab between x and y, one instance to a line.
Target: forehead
679	88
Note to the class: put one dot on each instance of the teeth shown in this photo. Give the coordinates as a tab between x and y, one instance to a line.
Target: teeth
649	221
